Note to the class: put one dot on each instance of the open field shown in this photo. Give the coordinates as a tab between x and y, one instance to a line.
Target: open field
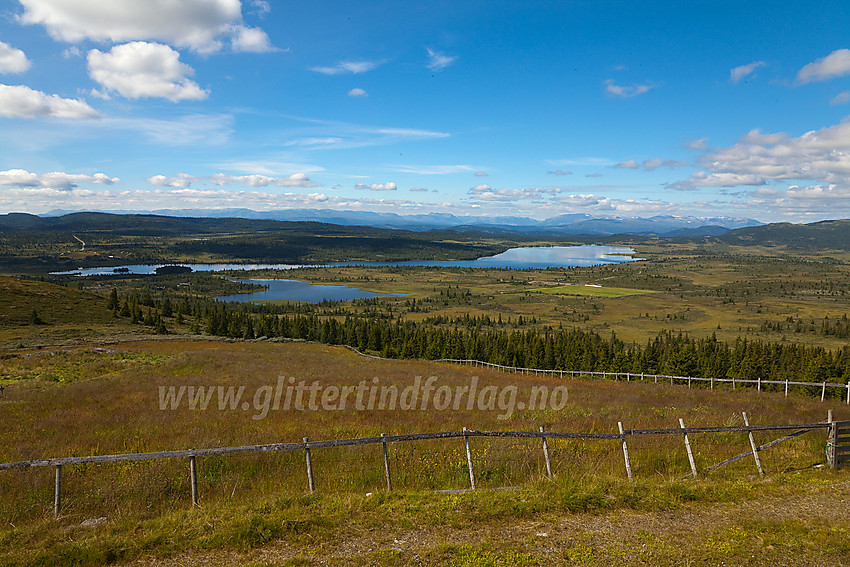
260	502
593	290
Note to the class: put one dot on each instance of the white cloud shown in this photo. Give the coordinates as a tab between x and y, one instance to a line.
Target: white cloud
487	193
331	135
560	172
357	92
353	67
841	98
251	40
438	61
481	174
420	189
590	202
72	51
703	179
651	164
200	25
739	73
820	155
434	169
261	7
23	102
389	186
180	181
294	180
58	181
13	60
144	70
836	64
184	180
699	144
627	91
191	130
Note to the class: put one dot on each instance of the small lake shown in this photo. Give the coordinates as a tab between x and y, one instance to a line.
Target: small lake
528	257
294	290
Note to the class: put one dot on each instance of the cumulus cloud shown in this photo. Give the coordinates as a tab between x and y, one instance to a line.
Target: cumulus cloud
23	102
251	40
389	186
180	181
352	67
487	193
144	70
438	61
55	180
820	155
13	60
739	73
836	64
630	164
357	92
627	91
200	25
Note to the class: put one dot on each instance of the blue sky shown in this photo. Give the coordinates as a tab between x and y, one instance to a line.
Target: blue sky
611	108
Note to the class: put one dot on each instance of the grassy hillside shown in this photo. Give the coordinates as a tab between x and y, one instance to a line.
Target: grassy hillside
256	507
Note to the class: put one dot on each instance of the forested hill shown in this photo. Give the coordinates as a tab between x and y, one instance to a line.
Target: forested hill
141	238
833	234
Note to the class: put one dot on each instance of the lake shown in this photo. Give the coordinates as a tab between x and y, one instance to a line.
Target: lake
529	257
294	290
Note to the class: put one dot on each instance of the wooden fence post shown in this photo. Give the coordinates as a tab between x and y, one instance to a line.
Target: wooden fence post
469	459
546	454
831	441
193	479
310	482
753	445
823	392
386	464
786	387
688	449
57	492
625	451
848	392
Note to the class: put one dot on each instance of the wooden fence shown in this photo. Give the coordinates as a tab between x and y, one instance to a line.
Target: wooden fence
838	449
629	376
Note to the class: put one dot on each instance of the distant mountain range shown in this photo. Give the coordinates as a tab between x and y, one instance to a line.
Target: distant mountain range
569	224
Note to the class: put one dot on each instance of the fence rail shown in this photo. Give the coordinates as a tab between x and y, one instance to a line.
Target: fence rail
629	376
835	428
